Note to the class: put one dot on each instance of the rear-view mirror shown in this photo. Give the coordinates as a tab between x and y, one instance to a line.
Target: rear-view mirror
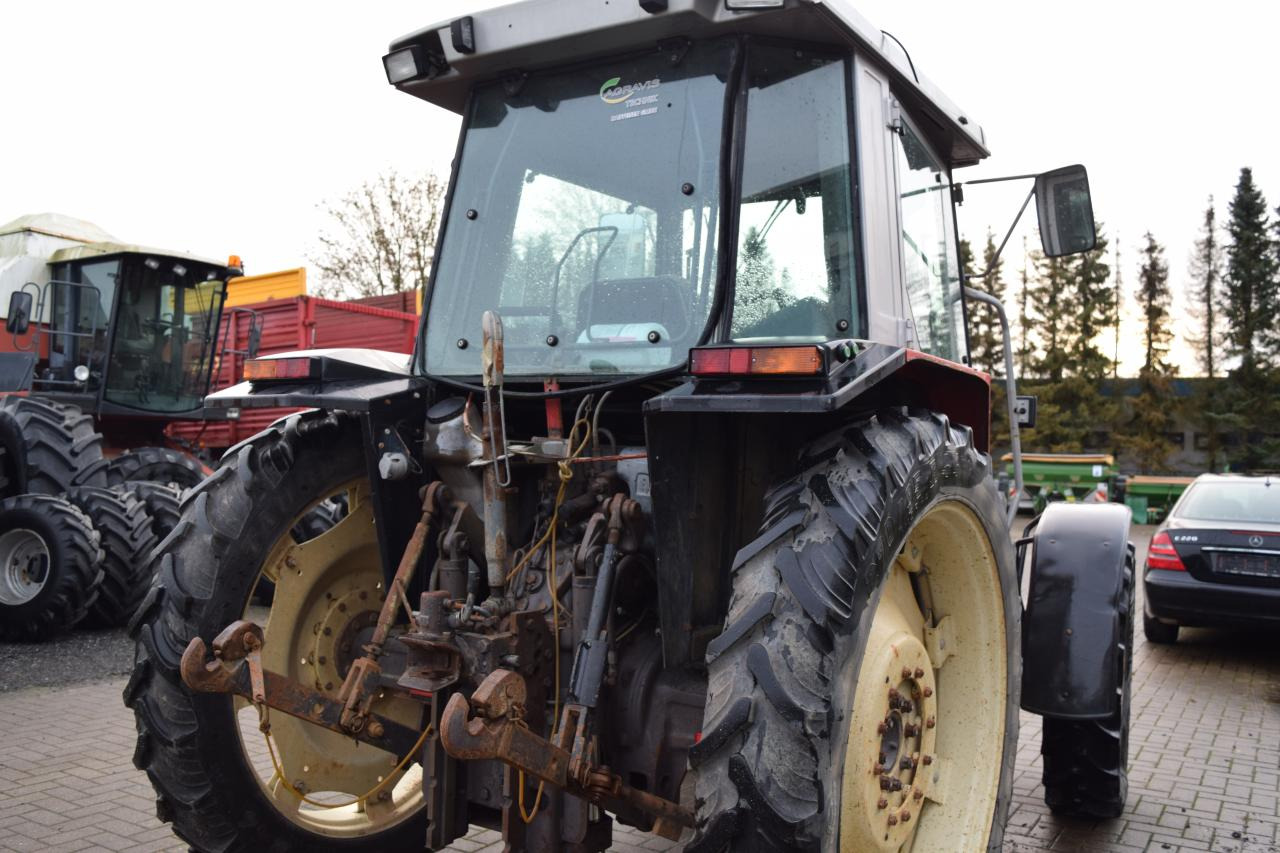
255	339
1065	211
18	320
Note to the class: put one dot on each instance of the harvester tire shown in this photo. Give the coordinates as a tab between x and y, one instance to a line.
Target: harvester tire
157	465
50	567
1086	761
780	762
122	521
189	743
164	504
50	447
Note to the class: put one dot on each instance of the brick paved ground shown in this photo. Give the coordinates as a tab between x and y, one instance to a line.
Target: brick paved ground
1205	761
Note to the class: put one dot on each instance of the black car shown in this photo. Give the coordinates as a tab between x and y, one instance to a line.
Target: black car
1215	561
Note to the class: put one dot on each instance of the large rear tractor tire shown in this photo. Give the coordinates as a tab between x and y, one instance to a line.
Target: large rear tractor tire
49	447
49	567
127	541
1086	762
864	693
204	753
158	465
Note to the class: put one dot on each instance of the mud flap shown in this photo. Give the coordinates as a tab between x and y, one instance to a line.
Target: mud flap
1072	643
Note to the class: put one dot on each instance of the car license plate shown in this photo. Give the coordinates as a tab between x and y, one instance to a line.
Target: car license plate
1252	565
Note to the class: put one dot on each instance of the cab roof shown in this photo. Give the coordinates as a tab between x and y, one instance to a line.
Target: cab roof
93	250
535	34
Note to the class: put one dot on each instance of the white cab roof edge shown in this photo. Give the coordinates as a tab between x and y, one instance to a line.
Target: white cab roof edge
535	34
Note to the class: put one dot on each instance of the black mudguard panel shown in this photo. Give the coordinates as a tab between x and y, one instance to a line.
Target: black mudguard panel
17	370
1071	629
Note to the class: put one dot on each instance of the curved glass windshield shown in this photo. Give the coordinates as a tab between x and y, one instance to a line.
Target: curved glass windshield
586	213
166	322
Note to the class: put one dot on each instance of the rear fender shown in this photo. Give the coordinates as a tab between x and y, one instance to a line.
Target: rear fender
1072	625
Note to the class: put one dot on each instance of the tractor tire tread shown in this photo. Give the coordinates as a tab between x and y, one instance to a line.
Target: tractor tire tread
127	539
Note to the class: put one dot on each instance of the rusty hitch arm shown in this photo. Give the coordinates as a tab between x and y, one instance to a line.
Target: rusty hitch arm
490	726
236	668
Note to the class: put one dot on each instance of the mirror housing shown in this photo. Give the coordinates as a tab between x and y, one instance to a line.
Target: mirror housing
1065	211
18	319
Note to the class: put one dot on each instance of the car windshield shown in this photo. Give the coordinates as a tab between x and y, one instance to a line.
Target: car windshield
1252	501
163	344
585	212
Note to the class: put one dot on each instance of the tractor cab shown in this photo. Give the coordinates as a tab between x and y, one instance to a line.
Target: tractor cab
117	329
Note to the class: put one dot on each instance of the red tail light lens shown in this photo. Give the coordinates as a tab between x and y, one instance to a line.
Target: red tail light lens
757	361
1161	554
276	369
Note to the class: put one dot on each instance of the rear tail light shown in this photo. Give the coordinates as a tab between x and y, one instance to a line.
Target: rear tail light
1162	555
757	361
279	369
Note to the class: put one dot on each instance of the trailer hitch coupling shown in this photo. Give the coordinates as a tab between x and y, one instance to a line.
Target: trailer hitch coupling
491	726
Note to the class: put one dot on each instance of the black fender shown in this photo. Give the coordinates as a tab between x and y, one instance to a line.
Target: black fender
1072	624
349	380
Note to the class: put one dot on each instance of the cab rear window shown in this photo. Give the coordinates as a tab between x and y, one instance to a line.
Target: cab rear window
1255	501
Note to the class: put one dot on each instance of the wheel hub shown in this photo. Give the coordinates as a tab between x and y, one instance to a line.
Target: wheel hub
24	566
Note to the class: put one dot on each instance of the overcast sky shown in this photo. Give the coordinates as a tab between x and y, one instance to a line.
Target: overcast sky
219	128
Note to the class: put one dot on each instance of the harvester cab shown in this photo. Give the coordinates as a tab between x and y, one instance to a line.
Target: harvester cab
116	329
683	514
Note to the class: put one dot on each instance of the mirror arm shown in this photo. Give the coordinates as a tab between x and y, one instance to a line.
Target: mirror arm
996	258
1011	394
998	180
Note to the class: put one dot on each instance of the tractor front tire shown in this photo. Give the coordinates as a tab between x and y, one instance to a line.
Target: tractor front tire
50	560
864	692
198	749
157	465
49	447
124	526
1086	762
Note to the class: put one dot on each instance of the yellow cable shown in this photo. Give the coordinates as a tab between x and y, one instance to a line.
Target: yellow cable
566	474
264	725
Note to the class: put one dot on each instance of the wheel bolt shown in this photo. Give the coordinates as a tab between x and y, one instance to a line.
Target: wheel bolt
907	764
906	672
911	730
919	672
906	816
928	759
886	783
928	691
918	796
894	695
881	728
882	803
930	723
893	820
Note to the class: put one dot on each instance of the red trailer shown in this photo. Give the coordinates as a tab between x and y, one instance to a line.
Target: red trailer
298	322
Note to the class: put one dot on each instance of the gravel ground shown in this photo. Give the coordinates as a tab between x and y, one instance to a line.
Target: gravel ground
70	659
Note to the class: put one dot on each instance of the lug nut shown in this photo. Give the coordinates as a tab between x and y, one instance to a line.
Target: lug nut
886	783
893	820
894	695
930	723
911	730
928	759
928	691
906	816
882	803
906	672
907	764
881	728
919	672
918	796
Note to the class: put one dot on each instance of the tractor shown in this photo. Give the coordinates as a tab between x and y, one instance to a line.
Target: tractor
682	515
107	343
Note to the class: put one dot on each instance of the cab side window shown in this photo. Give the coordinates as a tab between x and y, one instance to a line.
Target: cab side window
930	267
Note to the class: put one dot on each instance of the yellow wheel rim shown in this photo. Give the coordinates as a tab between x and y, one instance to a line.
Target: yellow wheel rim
328	591
926	735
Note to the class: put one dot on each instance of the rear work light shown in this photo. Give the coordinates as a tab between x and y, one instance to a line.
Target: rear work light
281	369
757	361
1162	555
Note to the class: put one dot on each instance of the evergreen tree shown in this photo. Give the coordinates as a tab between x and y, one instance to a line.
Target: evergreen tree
756	294
1025	346
1206	274
1049	304
986	340
1115	356
1146	435
1249	293
1094	313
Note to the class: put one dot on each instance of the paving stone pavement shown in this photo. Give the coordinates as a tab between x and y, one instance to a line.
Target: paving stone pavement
1205	764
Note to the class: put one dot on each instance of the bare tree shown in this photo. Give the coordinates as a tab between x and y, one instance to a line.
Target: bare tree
381	237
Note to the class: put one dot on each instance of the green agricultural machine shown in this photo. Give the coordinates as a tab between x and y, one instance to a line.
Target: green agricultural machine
682	515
